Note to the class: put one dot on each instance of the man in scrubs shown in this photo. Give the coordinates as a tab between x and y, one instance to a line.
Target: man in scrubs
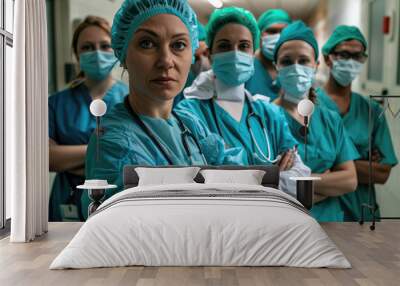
345	55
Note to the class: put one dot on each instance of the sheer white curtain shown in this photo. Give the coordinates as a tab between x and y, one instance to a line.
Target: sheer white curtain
26	124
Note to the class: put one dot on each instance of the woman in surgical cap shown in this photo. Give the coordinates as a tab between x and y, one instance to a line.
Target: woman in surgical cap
330	152
345	55
155	41
263	81
219	99
70	122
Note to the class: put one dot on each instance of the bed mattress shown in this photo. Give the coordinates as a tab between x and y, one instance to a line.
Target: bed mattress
201	225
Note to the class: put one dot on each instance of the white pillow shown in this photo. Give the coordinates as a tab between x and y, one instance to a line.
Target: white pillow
247	177
166	176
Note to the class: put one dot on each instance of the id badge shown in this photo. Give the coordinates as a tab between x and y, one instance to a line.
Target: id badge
69	212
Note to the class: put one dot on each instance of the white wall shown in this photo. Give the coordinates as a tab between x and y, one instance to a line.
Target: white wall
103	8
344	12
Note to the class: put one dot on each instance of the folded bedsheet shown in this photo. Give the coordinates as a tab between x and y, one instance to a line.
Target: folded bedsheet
201	225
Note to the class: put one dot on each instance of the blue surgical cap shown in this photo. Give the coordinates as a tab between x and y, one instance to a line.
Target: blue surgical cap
133	13
341	34
297	31
221	17
271	17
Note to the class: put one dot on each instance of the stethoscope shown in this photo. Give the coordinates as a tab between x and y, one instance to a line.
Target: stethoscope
250	114
185	135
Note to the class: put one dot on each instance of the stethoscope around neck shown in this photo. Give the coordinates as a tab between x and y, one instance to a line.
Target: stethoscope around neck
251	113
185	135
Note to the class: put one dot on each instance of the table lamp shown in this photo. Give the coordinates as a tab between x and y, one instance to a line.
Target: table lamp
97	191
96	188
305	109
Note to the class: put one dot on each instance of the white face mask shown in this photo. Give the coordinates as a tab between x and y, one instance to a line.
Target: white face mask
296	81
345	71
268	45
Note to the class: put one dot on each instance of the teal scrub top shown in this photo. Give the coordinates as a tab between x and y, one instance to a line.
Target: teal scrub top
327	145
237	134
356	124
70	123
124	142
169	133
262	83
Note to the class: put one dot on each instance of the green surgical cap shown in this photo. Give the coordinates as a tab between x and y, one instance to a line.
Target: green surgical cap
202	32
134	13
341	34
297	31
220	17
273	16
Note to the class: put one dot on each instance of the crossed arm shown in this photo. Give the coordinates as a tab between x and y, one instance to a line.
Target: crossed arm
67	158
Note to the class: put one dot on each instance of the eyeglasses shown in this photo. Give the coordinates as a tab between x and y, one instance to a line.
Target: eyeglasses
345	55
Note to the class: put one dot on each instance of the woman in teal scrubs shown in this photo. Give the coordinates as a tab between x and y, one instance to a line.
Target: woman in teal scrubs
219	99
330	153
70	122
155	40
271	23
345	54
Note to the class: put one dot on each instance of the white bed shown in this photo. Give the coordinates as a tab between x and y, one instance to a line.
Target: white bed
201	225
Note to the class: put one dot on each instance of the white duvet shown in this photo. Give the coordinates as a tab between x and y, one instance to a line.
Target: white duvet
185	230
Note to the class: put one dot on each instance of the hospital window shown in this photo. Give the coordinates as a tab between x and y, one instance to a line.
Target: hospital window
6	45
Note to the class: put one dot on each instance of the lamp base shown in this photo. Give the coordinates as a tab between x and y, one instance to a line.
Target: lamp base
305	193
305	190
96	196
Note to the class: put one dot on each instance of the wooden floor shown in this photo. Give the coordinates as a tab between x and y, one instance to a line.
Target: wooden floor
375	257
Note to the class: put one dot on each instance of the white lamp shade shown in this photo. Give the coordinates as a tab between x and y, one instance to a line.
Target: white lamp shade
305	107
98	107
216	3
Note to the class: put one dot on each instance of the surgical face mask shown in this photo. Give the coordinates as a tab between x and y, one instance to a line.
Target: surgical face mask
97	65
233	68
201	65
345	71
268	45
296	81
